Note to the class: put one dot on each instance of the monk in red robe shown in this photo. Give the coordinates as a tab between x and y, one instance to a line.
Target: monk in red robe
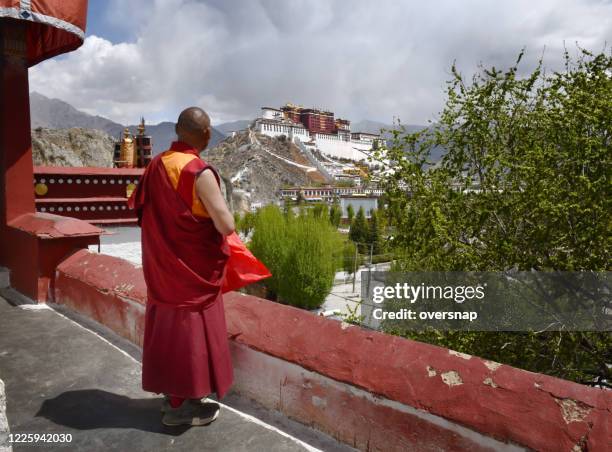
184	223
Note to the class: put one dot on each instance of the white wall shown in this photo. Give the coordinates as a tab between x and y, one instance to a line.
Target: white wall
341	148
276	130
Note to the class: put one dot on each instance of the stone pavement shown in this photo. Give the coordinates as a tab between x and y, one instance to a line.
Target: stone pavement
61	377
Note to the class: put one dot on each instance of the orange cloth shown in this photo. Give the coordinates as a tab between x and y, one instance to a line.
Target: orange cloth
174	162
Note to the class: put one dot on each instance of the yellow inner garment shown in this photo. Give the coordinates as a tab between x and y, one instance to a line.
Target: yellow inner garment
174	162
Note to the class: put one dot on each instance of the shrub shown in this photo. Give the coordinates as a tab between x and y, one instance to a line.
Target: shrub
300	253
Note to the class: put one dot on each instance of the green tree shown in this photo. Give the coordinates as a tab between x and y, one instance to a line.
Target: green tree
375	233
524	184
359	231
350	213
335	215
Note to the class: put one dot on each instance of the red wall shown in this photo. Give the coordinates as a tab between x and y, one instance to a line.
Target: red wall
371	390
98	195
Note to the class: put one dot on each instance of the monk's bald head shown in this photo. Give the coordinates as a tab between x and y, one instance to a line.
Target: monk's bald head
193	127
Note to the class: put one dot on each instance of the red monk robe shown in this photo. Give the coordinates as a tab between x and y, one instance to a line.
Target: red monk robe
185	349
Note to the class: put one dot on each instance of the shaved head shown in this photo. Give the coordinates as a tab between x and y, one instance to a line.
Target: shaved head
193	127
193	118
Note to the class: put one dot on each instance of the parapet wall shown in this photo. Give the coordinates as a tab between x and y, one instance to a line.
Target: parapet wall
370	390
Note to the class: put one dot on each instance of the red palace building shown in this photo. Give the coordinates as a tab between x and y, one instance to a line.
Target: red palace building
314	119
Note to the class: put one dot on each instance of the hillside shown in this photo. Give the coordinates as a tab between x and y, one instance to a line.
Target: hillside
258	166
72	147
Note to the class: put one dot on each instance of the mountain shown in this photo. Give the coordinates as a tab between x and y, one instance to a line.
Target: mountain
234	126
369	126
258	166
72	147
57	114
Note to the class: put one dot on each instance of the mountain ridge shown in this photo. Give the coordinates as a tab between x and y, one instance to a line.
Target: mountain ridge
51	113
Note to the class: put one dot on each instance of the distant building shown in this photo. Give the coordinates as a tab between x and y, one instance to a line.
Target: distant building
329	193
317	128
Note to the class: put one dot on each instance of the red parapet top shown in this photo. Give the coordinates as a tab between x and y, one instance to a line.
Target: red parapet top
87	170
53	26
49	226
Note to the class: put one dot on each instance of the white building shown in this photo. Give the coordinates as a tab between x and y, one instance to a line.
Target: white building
278	127
342	143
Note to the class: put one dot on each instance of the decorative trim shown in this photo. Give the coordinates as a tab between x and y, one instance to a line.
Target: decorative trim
15	13
26	5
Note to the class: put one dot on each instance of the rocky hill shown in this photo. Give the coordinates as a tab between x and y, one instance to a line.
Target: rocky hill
72	147
258	166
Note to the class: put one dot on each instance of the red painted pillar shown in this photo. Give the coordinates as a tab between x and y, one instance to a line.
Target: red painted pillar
15	140
16	171
31	244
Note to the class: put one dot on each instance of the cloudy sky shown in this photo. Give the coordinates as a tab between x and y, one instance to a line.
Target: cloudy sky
359	58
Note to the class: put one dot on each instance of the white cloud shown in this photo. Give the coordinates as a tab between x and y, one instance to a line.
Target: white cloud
361	59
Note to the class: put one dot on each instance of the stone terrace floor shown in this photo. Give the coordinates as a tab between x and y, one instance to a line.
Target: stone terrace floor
62	377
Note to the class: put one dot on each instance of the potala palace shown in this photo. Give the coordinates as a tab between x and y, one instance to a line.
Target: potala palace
317	129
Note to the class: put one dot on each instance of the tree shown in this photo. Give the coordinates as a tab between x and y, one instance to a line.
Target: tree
335	215
524	184
359	231
350	212
375	233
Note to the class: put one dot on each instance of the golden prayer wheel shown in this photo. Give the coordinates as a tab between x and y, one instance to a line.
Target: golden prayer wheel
128	150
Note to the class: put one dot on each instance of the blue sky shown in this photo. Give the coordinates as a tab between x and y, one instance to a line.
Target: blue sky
372	60
100	22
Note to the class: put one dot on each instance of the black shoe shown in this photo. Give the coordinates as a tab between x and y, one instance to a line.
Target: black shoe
191	414
166	402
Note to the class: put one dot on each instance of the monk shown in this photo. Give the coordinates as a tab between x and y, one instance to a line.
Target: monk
184	223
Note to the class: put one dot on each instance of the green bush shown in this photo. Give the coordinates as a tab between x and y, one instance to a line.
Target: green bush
245	223
335	215
300	253
269	243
